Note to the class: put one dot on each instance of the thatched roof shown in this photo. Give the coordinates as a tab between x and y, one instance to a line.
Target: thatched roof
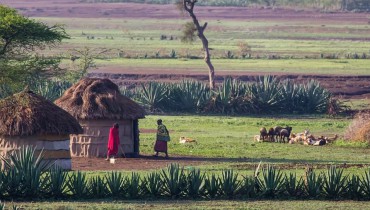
93	99
26	114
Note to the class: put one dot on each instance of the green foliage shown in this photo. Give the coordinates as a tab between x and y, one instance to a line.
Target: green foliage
293	186
195	184
313	185
50	89
248	187
354	188
272	183
98	187
78	185
25	171
229	184
212	186
57	186
265	96
134	187
334	185
153	185
152	95
174	181
188	96
115	183
19	38
365	183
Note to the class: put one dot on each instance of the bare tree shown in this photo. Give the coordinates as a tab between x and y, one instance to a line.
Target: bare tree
188	6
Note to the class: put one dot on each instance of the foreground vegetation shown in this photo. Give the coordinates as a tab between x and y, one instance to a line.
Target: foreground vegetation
27	176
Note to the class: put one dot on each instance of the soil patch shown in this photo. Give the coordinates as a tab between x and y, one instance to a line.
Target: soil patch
147	162
76	8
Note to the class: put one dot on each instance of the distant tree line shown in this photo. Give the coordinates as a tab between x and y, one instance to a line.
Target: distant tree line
344	5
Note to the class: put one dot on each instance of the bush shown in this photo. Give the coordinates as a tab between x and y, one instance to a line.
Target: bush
359	128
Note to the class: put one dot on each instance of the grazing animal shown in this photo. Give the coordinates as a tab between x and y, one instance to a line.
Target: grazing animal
184	140
285	133
257	138
331	139
277	130
263	133
271	135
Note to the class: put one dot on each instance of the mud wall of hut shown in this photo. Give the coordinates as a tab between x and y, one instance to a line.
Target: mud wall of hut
56	147
93	141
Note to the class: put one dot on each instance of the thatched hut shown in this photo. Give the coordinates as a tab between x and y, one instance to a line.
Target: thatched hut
97	104
29	119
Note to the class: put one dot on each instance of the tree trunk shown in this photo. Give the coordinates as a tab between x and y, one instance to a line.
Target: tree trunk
189	6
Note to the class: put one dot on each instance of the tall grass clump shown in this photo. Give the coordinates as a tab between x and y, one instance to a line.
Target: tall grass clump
359	128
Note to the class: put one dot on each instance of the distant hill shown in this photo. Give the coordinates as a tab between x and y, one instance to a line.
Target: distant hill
327	5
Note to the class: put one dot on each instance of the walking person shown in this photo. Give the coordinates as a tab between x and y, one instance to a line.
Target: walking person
113	141
163	137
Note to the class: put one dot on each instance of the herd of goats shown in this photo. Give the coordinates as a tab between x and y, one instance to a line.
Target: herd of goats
280	134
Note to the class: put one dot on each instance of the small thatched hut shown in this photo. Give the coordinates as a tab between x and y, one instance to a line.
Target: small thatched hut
28	119
97	104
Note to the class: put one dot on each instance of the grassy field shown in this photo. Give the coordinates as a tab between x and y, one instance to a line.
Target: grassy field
225	66
231	139
290	41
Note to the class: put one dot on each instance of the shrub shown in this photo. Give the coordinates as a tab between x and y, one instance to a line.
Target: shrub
359	128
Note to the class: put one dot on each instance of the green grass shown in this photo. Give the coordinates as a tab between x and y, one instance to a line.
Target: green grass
218	204
263	66
285	38
292	41
230	139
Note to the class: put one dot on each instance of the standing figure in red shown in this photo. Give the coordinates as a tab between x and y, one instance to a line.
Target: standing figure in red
113	141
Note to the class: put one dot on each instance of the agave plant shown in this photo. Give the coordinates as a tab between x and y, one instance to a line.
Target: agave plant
174	181
188	96
12	183
195	182
77	184
134	187
313	184
50	89
115	183
153	95
229	184
354	188
292	96
293	187
334	185
98	187
248	187
153	185
272	183
30	169
365	183
57	186
212	185
265	95
315	98
228	98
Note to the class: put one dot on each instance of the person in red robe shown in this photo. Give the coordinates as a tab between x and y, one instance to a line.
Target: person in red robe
113	141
